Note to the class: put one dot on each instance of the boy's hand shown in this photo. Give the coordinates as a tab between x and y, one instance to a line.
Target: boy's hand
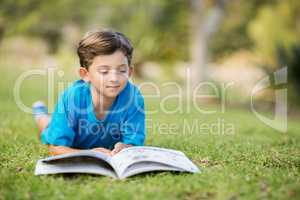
103	150
118	147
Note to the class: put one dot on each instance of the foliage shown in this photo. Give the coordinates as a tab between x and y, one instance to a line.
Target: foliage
239	14
276	24
44	18
160	30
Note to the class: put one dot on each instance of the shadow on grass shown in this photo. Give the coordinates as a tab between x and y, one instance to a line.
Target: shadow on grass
154	174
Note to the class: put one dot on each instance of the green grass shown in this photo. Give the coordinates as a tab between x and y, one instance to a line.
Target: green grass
256	162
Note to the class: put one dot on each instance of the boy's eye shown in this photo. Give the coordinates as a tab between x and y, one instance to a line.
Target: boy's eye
103	71
122	70
106	71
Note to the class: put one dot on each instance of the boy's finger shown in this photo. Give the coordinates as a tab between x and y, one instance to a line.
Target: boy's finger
106	151
116	150
113	152
103	150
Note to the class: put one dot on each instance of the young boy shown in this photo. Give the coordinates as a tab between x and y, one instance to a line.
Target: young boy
102	111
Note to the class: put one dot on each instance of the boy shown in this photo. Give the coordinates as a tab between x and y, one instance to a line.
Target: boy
102	111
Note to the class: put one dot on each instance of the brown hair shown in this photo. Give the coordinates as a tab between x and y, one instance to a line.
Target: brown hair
103	42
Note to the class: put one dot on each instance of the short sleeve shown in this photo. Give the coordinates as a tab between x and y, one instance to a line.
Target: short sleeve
133	127
59	131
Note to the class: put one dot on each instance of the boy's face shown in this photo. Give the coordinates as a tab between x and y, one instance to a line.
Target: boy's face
108	74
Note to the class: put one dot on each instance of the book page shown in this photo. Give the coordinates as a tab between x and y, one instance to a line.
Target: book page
142	167
74	165
82	153
131	155
77	162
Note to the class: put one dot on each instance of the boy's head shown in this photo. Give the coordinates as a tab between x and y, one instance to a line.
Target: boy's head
105	59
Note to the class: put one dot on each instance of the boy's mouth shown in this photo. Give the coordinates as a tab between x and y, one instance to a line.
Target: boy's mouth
113	86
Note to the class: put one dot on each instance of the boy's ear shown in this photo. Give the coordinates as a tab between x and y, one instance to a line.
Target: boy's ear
130	71
84	74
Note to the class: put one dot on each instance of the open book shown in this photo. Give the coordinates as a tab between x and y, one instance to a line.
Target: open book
130	161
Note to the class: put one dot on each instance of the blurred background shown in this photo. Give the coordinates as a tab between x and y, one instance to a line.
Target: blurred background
221	41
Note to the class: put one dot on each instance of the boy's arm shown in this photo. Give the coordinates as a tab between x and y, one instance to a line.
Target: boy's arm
133	132
58	150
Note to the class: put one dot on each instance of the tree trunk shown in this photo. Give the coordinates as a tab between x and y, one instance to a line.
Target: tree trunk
203	25
2	29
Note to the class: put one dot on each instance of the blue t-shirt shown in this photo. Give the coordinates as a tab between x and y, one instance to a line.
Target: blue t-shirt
74	123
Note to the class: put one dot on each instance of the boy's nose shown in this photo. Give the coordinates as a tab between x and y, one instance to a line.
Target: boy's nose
114	76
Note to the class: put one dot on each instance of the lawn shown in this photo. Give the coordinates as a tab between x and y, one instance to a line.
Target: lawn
252	162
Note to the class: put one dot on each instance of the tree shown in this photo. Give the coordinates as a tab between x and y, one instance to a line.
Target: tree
203	26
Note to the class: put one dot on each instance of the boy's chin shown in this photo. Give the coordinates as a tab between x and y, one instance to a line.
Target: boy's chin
112	94
109	93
